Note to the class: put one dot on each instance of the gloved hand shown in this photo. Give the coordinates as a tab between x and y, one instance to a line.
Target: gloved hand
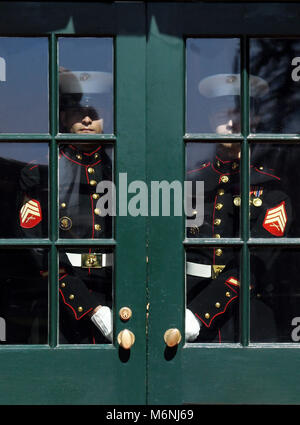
104	321
192	326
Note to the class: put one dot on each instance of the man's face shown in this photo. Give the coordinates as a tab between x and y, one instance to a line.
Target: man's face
226	122
82	120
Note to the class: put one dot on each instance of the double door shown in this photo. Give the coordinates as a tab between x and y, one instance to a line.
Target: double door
144	97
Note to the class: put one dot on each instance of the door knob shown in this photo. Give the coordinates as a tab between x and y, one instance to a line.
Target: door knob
172	337
126	339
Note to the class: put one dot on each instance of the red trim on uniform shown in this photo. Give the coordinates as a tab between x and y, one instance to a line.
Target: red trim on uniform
199	169
92	153
75	314
267	174
63	276
220	339
223	162
218	314
33	167
72	160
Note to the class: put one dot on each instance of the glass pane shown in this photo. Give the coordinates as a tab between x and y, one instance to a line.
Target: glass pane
85	191
274	314
85	286
213	85
212	292
24	85
218	166
24	296
275	204
24	190
86	85
276	63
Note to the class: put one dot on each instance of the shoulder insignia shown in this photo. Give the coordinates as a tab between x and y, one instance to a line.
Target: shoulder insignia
30	214
275	220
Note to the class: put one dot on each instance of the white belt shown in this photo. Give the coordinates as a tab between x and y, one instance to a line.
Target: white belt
203	270
102	260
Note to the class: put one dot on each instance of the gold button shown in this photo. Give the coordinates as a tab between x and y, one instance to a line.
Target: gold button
235	165
217	236
261	168
97	211
96	196
93	182
65	223
91	170
219	207
217	222
237	201
78	156
63	285
219	252
80	309
207	316
97	227
228	295
218	164
96	155
218	305
71	297
221	192
63	205
257	202
224	179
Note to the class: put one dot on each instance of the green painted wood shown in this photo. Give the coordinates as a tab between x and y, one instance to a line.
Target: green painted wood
88	374
196	373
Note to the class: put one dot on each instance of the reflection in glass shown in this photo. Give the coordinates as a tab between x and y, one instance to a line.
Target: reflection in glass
218	166
212	294
277	62
274	314
276	203
86	85
85	287
213	85
24	190
82	210
24	85
24	296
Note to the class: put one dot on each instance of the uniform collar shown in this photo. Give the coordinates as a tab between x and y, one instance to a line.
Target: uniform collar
74	154
223	166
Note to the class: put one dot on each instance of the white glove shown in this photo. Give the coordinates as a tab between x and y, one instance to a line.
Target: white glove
192	326
104	321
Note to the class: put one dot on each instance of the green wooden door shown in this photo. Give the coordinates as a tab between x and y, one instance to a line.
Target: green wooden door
40	367
187	43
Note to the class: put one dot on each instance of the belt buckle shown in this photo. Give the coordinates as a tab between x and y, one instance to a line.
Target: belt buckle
91	261
216	270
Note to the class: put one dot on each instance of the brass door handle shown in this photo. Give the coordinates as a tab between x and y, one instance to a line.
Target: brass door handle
126	339
172	337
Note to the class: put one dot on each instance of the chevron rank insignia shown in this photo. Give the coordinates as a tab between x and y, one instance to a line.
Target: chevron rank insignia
275	220
30	214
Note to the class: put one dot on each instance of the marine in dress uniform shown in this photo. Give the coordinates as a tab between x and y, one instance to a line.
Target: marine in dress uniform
213	276
85	275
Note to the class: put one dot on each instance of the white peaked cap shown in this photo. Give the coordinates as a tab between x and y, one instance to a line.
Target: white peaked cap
85	82
230	84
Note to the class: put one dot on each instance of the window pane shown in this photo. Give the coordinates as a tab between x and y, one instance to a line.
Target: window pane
217	166
24	190
85	284
275	204
86	85
24	85
24	296
212	293
213	85
276	62
274	314
85	203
